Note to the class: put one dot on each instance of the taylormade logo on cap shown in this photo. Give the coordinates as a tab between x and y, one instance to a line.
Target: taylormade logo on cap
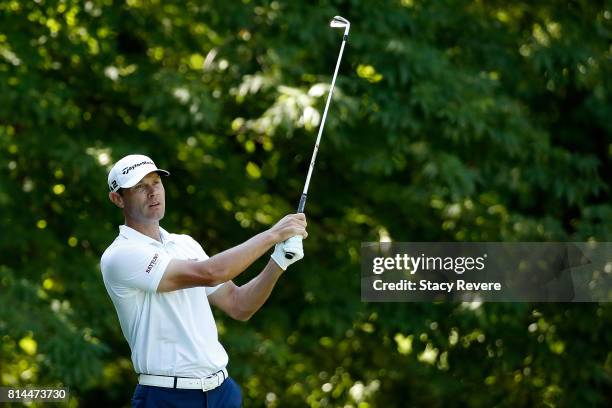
128	171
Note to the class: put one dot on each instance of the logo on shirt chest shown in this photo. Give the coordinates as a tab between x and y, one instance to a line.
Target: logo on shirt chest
152	263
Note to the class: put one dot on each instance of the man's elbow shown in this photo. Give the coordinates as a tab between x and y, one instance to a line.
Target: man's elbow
243	316
239	311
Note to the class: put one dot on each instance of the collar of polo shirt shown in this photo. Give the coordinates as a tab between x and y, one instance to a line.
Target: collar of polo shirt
132	234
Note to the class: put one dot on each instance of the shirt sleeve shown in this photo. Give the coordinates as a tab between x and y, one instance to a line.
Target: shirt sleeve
134	267
201	257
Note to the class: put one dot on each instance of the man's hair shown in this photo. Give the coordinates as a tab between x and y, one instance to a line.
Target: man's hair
120	192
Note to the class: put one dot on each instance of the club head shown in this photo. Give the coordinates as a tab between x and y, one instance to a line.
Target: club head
340	22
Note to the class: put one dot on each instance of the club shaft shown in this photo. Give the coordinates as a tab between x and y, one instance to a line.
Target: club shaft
316	148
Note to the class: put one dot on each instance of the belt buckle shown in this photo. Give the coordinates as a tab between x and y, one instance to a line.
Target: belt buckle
210	382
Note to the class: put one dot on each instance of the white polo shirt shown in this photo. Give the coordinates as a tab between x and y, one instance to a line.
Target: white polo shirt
170	333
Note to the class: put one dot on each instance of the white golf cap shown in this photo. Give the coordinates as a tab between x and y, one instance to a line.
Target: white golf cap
128	171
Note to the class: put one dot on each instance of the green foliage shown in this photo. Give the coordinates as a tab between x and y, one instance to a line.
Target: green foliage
453	120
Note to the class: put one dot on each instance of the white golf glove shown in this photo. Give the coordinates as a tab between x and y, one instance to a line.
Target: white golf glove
293	247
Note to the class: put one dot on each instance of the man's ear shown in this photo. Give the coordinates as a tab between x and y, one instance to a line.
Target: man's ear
116	198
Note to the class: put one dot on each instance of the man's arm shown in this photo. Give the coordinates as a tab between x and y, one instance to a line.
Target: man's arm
241	302
226	265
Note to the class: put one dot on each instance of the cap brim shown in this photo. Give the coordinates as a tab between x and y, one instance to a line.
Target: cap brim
136	180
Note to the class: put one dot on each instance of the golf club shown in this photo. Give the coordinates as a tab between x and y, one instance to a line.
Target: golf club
294	242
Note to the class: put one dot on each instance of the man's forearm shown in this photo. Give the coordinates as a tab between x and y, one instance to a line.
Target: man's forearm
249	297
232	262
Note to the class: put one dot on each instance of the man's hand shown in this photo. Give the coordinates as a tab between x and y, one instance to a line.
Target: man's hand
289	226
279	254
292	225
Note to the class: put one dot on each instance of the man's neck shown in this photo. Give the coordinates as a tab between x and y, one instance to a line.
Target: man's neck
150	230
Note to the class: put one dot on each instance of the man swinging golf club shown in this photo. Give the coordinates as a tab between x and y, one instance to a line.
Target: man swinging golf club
162	285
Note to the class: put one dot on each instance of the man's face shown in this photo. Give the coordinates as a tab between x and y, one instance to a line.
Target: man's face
145	203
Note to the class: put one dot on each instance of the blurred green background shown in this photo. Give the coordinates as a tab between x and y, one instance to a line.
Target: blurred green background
452	120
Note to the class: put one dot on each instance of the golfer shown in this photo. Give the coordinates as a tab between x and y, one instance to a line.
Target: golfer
162	286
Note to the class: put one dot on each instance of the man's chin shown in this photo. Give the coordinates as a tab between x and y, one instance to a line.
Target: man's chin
156	214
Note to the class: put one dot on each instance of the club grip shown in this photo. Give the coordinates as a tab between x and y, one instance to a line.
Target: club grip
302	203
